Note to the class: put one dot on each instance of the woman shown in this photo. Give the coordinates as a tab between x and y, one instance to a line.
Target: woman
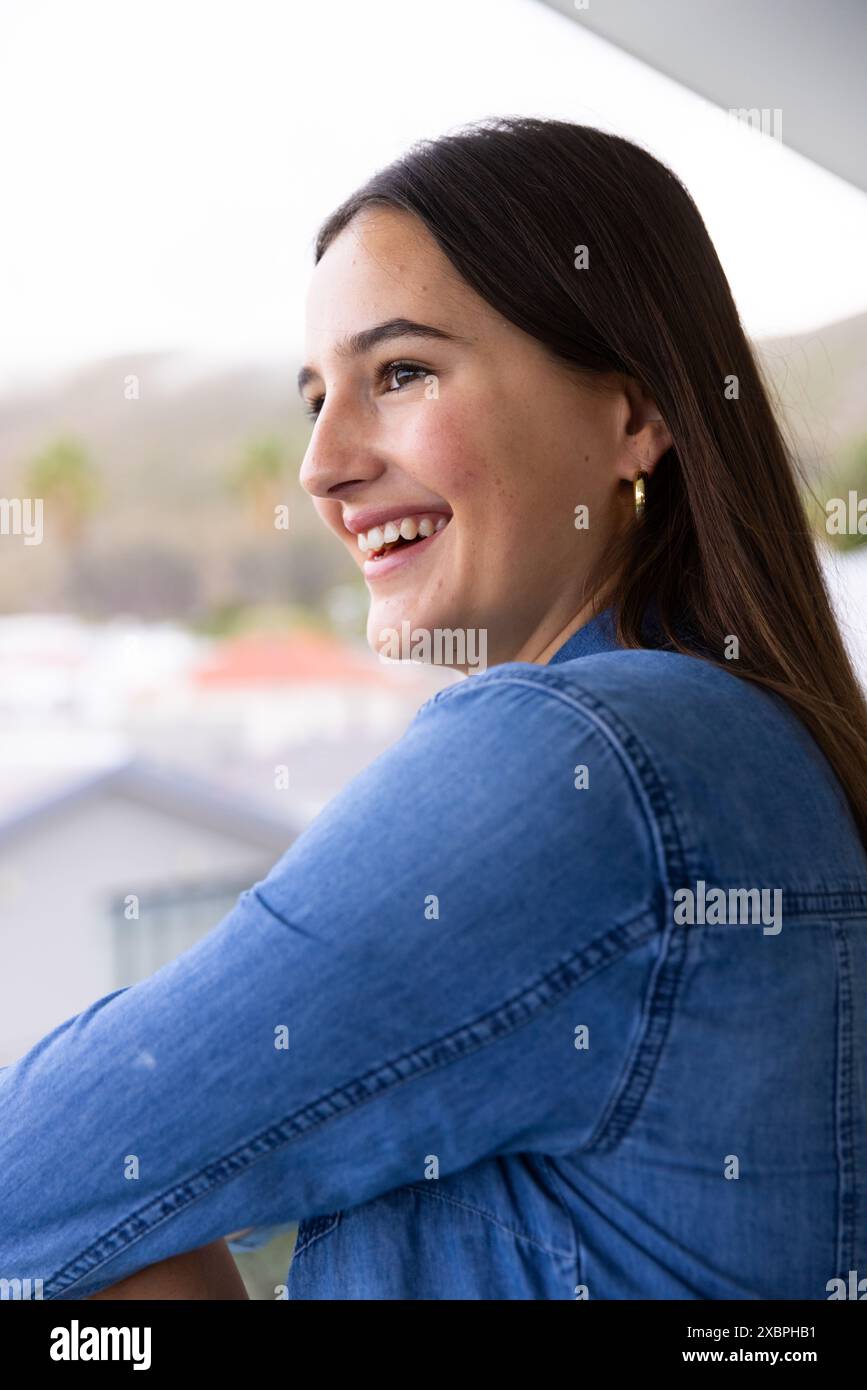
566	995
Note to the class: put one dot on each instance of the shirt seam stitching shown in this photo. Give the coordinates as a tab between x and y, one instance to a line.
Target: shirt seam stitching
848	895
847	1195
318	1233
554	1180
490	1217
667	840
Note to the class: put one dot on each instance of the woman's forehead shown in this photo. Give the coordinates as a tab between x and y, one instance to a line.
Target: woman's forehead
384	264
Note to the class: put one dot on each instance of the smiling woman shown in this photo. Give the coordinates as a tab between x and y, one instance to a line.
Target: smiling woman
384	448
514	1069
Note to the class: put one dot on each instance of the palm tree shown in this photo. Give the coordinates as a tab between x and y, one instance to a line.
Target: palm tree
65	478
259	477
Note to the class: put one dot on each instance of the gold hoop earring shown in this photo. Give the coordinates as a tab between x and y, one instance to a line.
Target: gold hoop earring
639	492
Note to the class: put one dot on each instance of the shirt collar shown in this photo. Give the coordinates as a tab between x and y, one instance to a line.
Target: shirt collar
600	635
597	635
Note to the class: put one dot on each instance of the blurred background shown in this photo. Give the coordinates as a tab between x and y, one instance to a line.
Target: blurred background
184	684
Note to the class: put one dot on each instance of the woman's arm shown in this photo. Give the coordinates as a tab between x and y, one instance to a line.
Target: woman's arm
404	986
207	1273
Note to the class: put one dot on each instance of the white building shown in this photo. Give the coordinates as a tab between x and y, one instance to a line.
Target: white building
105	880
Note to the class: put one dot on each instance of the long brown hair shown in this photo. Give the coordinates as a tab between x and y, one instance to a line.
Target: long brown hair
724	548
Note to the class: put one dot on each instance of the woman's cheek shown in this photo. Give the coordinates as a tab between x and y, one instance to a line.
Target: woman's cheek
440	452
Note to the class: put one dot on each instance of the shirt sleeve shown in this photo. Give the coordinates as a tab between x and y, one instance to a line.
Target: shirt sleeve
449	963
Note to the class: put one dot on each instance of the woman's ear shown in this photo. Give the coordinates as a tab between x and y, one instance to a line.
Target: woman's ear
646	436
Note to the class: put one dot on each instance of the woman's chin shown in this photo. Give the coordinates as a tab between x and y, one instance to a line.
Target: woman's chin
400	631
409	634
390	626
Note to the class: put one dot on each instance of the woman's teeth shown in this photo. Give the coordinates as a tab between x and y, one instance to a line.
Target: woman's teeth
409	528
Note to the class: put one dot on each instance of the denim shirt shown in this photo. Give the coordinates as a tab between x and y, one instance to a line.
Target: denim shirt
565	996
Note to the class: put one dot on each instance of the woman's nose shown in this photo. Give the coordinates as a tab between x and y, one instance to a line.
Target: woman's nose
338	454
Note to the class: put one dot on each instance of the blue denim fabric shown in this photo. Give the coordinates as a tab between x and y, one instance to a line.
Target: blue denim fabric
511	1072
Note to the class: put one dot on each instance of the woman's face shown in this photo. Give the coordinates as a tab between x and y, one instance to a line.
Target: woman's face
466	430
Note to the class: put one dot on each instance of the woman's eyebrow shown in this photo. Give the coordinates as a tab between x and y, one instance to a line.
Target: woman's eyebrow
357	343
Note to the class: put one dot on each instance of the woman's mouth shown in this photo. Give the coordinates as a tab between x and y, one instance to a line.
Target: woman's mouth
387	546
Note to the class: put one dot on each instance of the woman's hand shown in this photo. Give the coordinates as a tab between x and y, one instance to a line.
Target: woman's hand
207	1273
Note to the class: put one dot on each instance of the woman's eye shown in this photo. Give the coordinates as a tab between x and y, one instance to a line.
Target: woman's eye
392	371
389	371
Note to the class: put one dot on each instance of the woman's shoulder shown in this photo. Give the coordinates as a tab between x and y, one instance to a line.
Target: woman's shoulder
723	759
624	710
652	686
671	707
649	708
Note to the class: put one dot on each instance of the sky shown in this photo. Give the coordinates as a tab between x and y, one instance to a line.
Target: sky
165	163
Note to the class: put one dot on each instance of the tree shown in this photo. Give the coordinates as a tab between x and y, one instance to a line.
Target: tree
259	478
65	478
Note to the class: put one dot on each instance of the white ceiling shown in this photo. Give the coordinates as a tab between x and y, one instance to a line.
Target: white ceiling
804	58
